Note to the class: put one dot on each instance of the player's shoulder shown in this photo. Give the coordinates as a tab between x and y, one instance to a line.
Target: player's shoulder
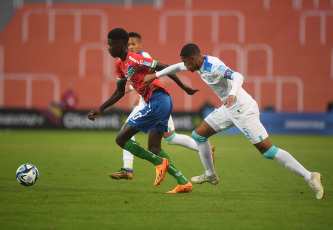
145	54
119	61
134	58
214	60
118	64
216	64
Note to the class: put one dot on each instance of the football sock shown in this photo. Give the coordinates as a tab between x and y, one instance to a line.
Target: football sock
137	150
182	140
205	153
128	158
173	170
284	158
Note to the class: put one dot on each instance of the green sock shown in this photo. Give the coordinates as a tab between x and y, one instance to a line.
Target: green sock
137	150
173	170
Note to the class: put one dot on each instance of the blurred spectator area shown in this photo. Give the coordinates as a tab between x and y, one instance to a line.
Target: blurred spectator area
283	48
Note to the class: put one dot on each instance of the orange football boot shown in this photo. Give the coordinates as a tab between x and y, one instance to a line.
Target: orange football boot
183	188
161	170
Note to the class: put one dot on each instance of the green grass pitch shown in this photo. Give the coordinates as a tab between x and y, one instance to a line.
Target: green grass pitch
75	192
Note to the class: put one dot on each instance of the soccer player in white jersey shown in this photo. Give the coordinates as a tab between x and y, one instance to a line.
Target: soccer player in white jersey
238	108
171	137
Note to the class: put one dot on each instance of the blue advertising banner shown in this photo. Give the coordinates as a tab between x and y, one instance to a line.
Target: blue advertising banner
294	123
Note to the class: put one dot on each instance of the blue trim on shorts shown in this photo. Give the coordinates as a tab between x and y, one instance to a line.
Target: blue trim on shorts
198	138
170	138
270	153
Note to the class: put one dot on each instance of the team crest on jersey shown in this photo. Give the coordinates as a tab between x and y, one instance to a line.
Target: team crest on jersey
228	73
130	71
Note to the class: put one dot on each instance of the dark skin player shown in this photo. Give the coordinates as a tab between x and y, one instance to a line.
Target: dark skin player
120	49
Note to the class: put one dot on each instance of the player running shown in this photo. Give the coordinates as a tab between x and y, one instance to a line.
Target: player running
170	137
153	118
238	108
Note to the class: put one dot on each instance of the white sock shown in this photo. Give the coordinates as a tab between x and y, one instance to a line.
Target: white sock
128	158
183	140
284	158
206	157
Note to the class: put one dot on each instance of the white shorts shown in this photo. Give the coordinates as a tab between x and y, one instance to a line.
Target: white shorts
245	117
171	126
140	106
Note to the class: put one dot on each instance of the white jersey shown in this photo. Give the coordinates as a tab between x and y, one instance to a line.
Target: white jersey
218	77
244	112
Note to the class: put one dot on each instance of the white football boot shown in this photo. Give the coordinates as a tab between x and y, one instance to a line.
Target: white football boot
214	180
315	184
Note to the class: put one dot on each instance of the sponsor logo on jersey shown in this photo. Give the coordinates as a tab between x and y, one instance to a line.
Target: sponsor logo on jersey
136	61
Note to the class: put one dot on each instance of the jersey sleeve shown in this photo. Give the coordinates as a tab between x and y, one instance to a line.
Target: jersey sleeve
172	69
142	63
146	55
120	75
224	71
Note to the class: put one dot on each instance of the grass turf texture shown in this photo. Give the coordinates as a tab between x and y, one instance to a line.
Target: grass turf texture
75	192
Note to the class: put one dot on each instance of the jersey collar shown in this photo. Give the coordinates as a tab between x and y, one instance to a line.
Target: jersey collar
206	66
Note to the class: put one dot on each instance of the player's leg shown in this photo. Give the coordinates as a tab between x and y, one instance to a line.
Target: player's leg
128	159
173	138
200	135
126	172
163	107
251	126
154	145
286	159
124	140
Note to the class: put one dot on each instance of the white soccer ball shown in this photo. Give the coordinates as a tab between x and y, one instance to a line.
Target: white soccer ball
27	174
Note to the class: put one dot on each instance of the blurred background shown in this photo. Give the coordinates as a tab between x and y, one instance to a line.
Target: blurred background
56	50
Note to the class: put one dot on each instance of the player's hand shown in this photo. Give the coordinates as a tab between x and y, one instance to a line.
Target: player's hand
149	79
230	100
190	91
93	114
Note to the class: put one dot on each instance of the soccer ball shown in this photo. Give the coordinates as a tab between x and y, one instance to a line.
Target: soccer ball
27	174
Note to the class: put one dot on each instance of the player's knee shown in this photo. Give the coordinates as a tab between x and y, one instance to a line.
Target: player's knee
120	141
168	140
270	153
154	149
198	138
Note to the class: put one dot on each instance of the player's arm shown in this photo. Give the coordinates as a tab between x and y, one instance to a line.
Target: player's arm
116	96
175	78
237	82
164	70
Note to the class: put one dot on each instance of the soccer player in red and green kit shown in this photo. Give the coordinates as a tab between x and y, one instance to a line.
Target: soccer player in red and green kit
153	118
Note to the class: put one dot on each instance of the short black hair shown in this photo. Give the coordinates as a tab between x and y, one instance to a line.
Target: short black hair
134	35
118	34
190	50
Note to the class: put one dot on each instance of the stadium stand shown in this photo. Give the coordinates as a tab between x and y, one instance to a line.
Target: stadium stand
283	48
